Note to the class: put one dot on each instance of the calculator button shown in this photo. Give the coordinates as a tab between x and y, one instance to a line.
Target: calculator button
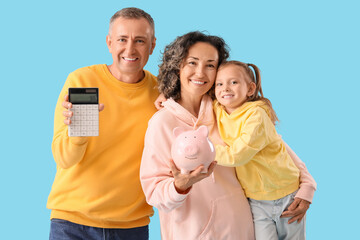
85	120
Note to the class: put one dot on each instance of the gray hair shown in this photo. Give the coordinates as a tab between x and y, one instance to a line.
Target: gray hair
133	13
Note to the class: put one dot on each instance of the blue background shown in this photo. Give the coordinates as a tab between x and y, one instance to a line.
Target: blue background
308	52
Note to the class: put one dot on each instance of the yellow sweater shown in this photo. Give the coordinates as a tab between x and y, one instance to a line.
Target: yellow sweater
97	181
263	167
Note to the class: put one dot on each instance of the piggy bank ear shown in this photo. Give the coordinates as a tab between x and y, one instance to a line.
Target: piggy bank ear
203	130
177	131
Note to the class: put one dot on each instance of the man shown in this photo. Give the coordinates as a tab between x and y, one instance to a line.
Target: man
96	193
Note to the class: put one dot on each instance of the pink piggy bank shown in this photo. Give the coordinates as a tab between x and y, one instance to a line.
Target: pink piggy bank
191	149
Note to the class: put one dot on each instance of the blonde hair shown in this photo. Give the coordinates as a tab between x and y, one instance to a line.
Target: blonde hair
255	77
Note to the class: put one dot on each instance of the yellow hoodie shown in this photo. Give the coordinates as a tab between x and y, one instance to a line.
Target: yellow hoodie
97	181
263	167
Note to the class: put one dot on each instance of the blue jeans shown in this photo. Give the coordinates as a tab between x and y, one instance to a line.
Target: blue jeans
65	230
268	224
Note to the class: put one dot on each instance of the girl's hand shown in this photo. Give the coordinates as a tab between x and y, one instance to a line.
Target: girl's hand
184	182
297	210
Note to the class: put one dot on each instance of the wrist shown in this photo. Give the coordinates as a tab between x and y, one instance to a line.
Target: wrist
182	189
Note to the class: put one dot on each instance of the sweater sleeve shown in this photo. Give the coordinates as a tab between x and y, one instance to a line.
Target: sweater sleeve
155	174
307	182
251	140
67	151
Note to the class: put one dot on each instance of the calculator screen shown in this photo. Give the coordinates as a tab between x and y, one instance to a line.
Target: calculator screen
84	98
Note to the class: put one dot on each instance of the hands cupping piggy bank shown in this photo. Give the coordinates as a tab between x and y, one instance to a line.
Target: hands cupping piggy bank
191	149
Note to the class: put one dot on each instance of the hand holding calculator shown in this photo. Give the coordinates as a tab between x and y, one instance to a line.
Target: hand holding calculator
85	108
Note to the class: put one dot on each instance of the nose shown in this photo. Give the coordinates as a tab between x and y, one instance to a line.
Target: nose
190	150
226	88
199	71
130	48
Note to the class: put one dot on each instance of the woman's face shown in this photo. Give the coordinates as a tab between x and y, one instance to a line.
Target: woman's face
198	70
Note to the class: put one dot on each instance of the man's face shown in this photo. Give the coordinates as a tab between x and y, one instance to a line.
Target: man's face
130	43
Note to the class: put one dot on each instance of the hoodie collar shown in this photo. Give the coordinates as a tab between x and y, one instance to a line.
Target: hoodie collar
245	107
205	116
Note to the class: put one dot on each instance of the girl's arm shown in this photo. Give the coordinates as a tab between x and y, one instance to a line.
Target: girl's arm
251	140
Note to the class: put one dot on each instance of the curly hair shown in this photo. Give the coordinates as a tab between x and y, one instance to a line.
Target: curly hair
174	55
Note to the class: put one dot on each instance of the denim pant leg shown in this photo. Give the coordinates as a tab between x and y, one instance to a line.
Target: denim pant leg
62	229
264	224
138	233
65	230
268	223
293	231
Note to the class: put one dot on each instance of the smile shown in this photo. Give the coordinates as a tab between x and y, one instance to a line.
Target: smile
197	82
129	59
228	96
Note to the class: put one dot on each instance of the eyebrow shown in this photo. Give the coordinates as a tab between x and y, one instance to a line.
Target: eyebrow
210	60
136	37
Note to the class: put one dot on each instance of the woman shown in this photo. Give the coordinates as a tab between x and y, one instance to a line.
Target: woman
192	206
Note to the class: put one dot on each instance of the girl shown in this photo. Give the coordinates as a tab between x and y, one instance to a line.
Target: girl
268	175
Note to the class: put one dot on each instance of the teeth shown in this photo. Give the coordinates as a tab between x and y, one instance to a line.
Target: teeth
129	59
228	96
198	82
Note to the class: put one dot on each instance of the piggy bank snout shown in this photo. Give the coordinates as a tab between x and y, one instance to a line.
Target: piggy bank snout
190	150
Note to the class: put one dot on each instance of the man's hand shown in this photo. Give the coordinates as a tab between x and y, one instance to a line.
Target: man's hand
297	210
158	102
184	182
68	114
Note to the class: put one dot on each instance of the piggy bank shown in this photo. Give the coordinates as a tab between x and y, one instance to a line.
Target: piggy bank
191	149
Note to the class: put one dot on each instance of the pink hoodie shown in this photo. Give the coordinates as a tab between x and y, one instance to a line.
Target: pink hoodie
216	207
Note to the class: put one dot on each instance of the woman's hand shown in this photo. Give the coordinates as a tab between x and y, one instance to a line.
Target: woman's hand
184	182
297	210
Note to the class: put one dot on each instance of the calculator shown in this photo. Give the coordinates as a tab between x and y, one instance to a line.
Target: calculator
85	108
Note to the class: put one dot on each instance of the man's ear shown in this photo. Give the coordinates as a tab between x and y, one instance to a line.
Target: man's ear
108	42
153	44
252	88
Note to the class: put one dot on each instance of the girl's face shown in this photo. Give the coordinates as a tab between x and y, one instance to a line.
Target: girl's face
232	87
198	70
